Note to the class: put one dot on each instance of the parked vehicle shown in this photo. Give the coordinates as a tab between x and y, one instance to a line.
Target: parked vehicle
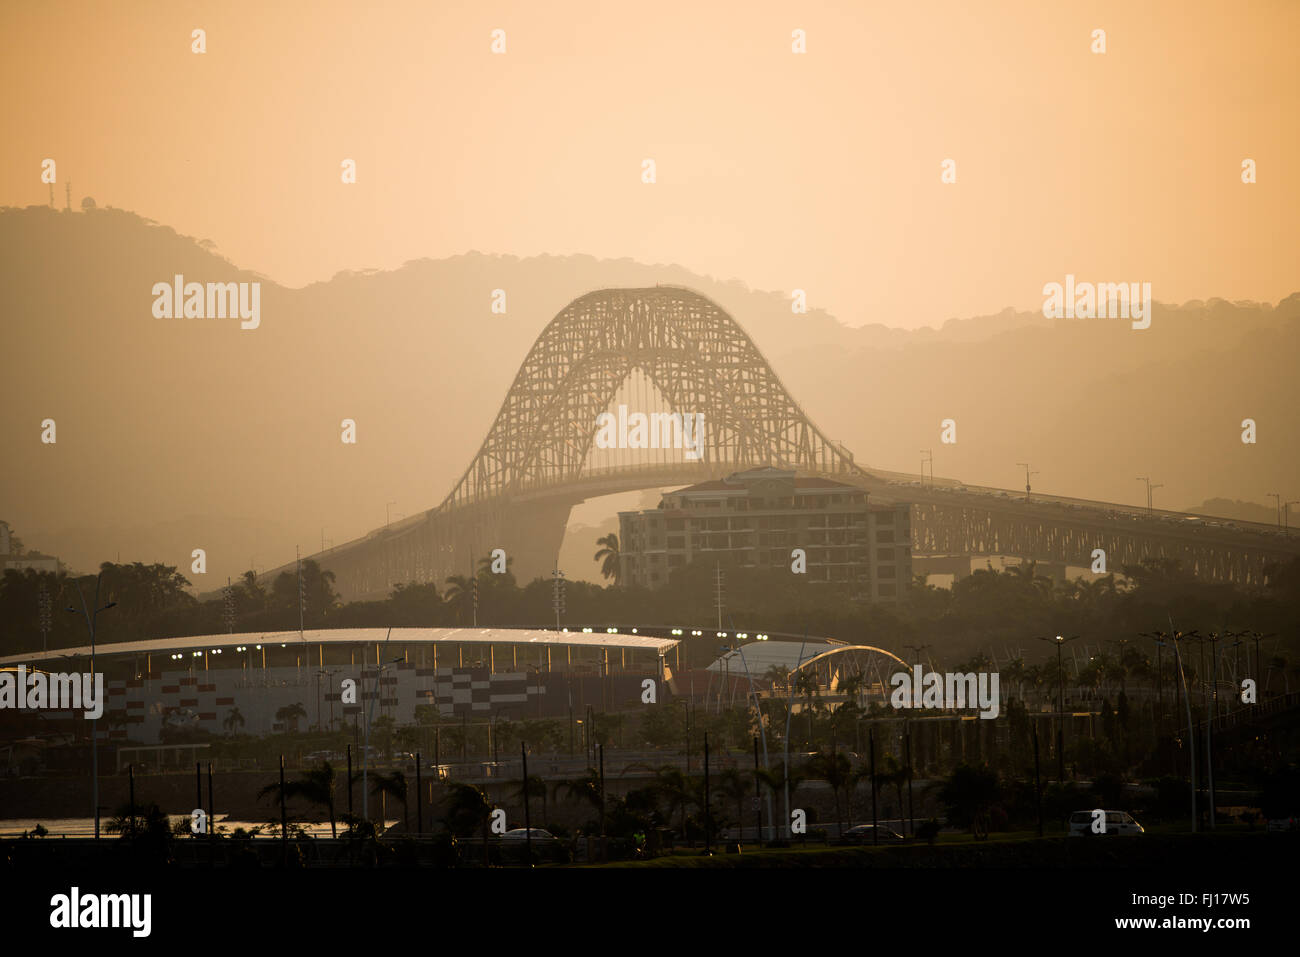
546	846
870	834
1117	822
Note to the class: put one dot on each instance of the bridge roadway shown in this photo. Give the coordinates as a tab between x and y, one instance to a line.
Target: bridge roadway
948	518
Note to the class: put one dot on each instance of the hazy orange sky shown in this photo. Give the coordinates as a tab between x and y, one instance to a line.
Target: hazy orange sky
818	171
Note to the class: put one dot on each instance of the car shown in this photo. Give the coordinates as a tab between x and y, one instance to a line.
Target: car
1117	822
521	834
870	834
513	845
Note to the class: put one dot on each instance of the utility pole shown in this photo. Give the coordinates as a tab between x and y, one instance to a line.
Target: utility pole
1278	498
1187	703
94	722
928	460
365	755
1028	473
302	592
1060	705
1150	488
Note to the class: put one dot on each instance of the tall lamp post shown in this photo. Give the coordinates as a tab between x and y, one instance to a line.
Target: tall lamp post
1028	473
1150	488
325	673
1060	704
365	754
94	722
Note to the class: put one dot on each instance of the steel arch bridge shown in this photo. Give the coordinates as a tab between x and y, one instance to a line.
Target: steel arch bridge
536	463
872	668
693	352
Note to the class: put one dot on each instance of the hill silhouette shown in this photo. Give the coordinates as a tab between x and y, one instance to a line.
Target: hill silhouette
182	434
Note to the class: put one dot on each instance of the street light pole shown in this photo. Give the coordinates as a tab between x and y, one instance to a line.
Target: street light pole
94	722
1060	706
1187	703
1150	488
1028	473
365	755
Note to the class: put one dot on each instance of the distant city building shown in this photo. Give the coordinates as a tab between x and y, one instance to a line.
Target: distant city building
757	518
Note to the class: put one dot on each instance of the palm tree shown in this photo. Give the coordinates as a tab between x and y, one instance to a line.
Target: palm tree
289	715
459	594
394	784
777	676
608	556
672	787
586	788
468	810
536	787
836	771
775	779
806	685
1014	672
256	593
896	774
969	794
735	785
233	720
315	785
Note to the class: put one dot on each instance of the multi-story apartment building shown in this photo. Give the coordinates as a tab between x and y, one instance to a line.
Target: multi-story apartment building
757	519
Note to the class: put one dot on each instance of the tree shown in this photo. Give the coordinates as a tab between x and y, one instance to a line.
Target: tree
393	784
778	676
835	770
585	788
673	789
535	787
289	715
968	795
315	785
460	596
737	786
467	810
254	591
608	556
893	772
233	720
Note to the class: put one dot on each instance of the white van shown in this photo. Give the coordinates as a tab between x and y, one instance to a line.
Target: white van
1117	822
